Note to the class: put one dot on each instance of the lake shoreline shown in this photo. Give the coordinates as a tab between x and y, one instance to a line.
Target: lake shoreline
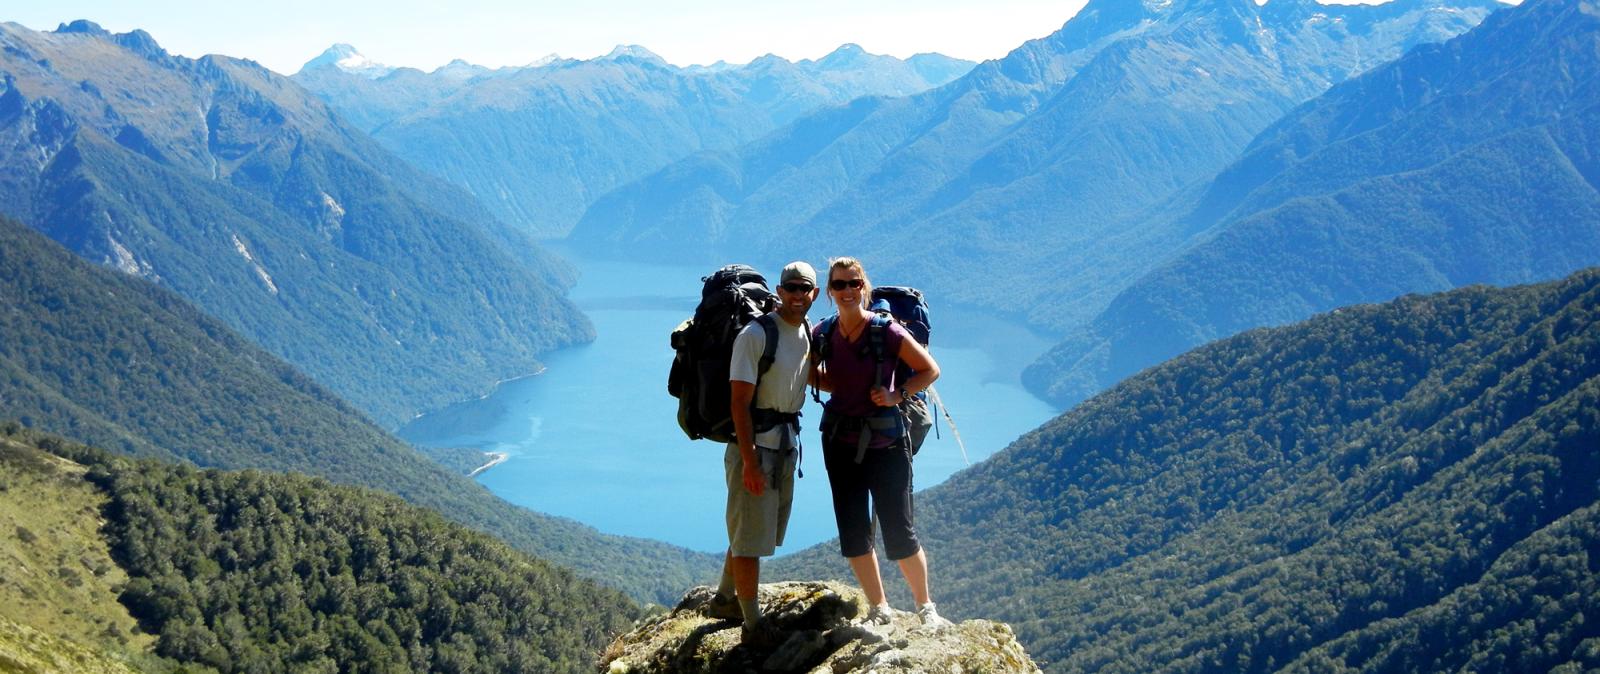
495	459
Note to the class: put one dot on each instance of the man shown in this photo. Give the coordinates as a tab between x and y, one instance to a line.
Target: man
760	464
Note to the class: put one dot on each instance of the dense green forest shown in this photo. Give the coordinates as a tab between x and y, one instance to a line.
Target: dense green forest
250	571
115	361
1412	486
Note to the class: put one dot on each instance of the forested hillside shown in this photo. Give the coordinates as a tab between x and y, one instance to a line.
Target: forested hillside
232	186
1023	185
1404	487
252	571
1467	162
538	144
106	358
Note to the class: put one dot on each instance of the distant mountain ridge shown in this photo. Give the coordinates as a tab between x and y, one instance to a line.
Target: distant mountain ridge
112	360
1404	487
537	144
1023	184
1468	162
231	185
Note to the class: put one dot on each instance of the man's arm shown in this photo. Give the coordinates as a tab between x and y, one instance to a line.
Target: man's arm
744	393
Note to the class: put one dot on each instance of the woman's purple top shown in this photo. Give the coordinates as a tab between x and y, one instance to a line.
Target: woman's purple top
850	365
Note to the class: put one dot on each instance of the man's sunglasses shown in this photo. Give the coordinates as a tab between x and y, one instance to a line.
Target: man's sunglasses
797	288
841	284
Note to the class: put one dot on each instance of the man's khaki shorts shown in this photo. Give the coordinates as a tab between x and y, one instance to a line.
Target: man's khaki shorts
756	524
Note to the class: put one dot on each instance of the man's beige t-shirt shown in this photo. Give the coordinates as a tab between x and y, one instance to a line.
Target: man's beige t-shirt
783	387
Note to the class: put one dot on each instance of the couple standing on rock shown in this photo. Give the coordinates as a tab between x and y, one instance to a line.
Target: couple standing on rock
865	443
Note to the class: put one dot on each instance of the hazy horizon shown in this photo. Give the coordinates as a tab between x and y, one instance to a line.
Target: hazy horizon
496	33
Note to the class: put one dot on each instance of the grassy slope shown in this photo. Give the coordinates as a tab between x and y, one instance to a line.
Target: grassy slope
58	582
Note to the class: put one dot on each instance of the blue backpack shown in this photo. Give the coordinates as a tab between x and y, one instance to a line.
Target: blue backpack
908	307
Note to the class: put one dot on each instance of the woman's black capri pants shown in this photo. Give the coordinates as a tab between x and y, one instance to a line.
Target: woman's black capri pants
885	473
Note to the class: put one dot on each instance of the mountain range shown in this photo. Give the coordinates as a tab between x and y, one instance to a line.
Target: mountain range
1406	486
1409	487
1466	162
537	144
115	361
1021	186
234	187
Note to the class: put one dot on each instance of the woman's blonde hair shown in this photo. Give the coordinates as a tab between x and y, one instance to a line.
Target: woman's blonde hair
847	262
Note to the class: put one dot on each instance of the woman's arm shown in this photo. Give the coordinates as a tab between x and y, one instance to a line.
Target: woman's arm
921	362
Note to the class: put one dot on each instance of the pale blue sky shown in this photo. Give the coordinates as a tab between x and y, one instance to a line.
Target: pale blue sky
285	34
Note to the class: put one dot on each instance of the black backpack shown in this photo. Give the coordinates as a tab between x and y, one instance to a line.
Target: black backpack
731	298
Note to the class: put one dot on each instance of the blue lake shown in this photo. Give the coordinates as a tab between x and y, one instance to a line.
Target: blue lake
595	437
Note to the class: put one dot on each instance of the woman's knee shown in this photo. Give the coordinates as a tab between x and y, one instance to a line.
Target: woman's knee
901	547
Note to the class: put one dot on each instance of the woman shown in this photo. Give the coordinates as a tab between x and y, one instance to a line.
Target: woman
864	440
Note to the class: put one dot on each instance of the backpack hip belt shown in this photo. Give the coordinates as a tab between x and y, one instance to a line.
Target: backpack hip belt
864	427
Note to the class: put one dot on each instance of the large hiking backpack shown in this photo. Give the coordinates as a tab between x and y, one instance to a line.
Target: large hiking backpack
731	298
909	308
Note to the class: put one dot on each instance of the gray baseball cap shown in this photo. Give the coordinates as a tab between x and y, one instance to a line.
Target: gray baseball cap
799	270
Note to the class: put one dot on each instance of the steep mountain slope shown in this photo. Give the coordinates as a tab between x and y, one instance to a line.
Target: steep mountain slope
1405	487
251	571
1042	160
58	580
1467	162
106	358
232	186
538	144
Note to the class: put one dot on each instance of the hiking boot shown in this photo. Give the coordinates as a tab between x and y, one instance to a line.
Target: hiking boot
763	636
880	614
930	616
721	607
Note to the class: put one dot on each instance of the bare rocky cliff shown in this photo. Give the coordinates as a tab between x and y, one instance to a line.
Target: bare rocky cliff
818	633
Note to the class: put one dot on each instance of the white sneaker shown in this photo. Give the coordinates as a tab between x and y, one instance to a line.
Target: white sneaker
880	614
930	616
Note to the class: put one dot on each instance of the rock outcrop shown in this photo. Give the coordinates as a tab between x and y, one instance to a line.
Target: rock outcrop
817	632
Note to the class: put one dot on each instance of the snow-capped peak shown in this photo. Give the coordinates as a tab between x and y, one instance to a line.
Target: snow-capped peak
545	60
460	69
346	58
633	51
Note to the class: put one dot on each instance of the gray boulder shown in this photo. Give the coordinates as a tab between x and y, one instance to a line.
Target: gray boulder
817	633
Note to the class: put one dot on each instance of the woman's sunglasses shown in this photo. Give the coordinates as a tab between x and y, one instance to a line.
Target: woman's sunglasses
841	284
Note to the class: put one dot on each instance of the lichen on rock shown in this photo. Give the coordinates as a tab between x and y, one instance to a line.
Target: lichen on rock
817	633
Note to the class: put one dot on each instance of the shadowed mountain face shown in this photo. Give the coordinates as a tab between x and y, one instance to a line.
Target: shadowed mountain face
113	360
538	144
1406	487
1022	185
235	188
1467	162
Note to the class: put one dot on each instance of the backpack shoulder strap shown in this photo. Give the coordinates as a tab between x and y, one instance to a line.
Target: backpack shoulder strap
769	351
821	346
877	335
877	329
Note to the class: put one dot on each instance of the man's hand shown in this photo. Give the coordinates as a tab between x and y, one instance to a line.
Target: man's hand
754	481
